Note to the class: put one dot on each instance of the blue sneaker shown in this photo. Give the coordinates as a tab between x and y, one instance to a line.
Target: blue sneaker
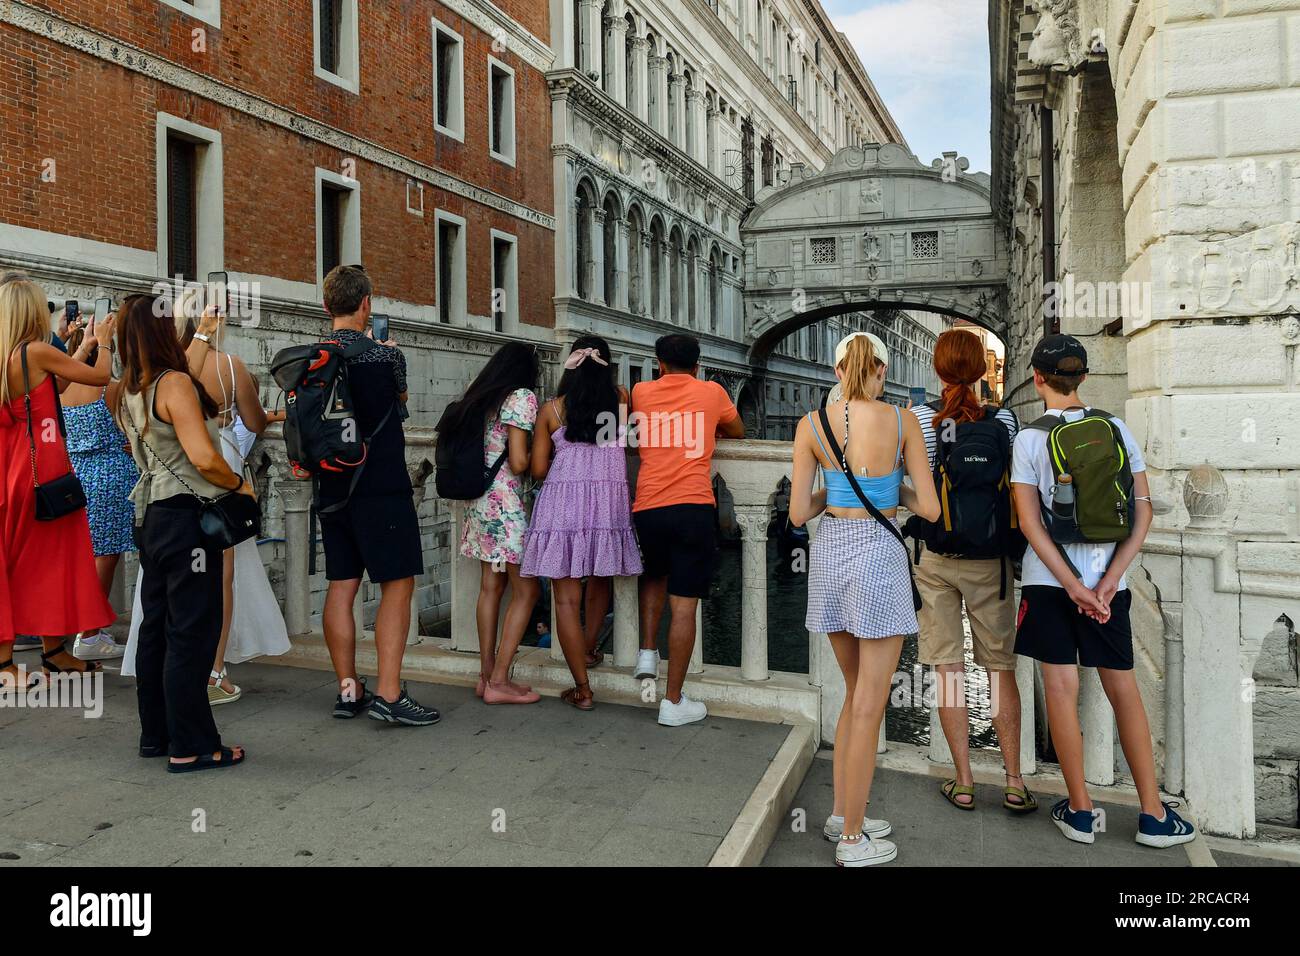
1077	825
1170	831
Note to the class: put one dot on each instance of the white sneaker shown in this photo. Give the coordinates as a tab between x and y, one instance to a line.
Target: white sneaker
866	852
647	665
685	711
99	646
833	829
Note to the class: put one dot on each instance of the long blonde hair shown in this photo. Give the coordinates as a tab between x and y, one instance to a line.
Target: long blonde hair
24	317
187	312
859	369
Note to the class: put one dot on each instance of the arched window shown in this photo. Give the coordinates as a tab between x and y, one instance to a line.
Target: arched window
715	290
675	277
606	44
654	89
629	65
656	269
688	137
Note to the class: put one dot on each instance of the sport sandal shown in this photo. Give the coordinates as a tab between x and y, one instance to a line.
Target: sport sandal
1028	802
951	790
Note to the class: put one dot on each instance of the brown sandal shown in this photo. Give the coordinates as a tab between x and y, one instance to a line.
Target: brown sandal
574	697
951	790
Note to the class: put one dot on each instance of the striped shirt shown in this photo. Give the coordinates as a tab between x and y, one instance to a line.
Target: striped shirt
925	415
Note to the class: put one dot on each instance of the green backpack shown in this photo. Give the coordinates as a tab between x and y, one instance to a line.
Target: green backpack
1091	450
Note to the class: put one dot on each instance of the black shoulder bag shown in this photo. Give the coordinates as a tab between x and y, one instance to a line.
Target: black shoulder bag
64	494
224	521
871	509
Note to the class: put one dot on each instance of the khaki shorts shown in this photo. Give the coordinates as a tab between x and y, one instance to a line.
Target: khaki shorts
944	584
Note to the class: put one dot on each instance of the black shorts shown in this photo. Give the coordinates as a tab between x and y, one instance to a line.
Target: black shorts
1051	629
679	542
378	536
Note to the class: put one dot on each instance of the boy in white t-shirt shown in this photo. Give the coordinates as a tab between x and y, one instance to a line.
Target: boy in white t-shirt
1074	609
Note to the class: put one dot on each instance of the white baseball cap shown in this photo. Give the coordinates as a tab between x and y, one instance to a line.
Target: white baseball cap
842	349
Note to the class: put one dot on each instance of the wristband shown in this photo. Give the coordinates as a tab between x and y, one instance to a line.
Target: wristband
206	339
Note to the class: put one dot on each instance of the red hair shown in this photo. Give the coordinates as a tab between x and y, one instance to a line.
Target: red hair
960	361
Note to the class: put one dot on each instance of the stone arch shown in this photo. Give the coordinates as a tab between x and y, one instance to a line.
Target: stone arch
692	281
637	234
676	250
612	209
658	247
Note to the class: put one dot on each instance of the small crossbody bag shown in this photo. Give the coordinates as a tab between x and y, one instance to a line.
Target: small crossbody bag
866	503
224	521
64	494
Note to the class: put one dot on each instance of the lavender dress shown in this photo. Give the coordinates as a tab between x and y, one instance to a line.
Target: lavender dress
582	519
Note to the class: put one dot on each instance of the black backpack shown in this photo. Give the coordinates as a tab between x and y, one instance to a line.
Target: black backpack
972	476
321	432
461	474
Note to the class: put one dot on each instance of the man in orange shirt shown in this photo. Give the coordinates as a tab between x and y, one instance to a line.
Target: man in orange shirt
675	422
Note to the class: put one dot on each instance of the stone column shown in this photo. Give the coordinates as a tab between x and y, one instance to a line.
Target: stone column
589	12
753	521
627	622
296	497
621	270
675	129
640	78
616	56
1028	727
1098	725
597	255
465	576
657	67
644	250
691	139
682	262
712	135
665	281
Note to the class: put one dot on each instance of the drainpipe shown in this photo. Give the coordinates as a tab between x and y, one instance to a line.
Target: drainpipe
1047	169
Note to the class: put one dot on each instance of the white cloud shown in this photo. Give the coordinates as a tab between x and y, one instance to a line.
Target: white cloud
929	61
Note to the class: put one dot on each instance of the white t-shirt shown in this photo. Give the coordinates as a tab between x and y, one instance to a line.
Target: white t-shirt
925	415
1030	465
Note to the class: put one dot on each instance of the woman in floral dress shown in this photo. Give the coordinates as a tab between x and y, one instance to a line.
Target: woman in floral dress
502	405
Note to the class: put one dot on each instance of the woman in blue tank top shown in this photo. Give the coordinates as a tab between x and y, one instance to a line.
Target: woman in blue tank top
859	574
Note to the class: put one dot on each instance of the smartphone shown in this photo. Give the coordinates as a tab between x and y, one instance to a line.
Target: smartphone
102	308
379	327
219	291
71	309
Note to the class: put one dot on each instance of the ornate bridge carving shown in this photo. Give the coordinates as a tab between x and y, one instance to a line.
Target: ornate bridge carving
876	229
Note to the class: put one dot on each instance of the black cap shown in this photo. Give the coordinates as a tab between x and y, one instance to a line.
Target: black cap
1053	349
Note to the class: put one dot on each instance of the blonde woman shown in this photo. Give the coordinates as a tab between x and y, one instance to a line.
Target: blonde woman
48	583
252	624
859	586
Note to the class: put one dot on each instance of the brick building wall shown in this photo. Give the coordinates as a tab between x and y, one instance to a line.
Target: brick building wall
82	90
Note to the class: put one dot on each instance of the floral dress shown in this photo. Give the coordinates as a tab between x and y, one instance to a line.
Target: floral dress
495	523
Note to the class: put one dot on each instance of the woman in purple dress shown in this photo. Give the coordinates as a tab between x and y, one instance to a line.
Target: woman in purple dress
582	520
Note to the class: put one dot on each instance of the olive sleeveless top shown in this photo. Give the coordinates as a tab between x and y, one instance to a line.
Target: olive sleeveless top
163	456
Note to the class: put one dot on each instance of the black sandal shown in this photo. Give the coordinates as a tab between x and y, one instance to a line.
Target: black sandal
208	762
90	667
4	666
149	752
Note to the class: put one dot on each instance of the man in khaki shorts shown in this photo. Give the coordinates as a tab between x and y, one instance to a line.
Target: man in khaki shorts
973	445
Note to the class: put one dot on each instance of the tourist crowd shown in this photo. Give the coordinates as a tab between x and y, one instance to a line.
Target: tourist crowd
153	460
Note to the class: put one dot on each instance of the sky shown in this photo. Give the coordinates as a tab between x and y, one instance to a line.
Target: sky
929	60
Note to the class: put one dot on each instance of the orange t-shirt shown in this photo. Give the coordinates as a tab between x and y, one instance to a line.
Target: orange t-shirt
674	421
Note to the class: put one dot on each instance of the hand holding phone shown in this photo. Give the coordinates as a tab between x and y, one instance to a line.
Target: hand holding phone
219	291
379	328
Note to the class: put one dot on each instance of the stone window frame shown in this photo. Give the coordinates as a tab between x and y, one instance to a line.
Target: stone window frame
459	292
210	231
510	317
349	47
208	11
509	137
456	100
814	242
350	223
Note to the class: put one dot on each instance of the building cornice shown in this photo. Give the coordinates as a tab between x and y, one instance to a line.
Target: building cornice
112	50
491	19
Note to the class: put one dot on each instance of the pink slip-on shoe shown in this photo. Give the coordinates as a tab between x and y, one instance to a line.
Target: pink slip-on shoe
505	694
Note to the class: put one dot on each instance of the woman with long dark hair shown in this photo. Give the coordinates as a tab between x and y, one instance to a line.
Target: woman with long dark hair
500	404
171	423
582	523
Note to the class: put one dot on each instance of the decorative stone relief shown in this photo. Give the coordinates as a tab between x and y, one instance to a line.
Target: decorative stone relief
1057	44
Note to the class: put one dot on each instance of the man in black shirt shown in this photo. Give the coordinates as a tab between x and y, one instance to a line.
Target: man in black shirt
370	528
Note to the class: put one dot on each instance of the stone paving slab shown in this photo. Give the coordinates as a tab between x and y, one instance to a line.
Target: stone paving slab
929	832
610	787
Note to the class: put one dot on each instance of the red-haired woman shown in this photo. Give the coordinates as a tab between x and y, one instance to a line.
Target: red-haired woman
948	578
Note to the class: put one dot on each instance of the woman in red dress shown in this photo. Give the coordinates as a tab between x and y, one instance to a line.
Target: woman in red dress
48	585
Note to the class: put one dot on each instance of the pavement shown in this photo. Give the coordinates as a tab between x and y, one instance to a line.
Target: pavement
930	832
507	785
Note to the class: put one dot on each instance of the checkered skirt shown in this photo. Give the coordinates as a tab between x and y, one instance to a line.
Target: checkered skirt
858	580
